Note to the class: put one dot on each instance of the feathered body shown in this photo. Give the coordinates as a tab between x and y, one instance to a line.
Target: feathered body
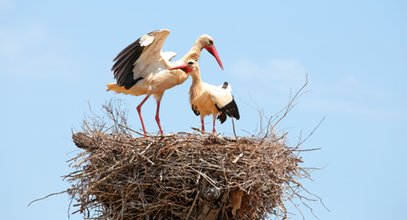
142	68
153	84
207	99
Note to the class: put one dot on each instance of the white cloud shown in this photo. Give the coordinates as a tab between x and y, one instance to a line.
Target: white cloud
28	49
352	96
16	40
345	94
271	80
274	69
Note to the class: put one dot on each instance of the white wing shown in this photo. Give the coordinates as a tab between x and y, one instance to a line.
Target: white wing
168	55
140	58
223	99
219	95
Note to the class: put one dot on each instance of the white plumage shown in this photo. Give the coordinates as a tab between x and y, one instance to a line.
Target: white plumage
207	99
219	95
142	68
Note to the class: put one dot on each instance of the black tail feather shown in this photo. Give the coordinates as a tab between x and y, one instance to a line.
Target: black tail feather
230	110
225	85
222	117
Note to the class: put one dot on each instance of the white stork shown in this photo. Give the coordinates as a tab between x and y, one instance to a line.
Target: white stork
208	99
142	68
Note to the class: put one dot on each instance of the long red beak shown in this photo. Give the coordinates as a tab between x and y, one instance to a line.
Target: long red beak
212	50
183	67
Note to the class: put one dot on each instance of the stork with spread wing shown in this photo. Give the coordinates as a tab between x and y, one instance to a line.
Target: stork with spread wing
142	68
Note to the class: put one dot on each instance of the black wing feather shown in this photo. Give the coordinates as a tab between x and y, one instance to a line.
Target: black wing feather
123	67
230	110
196	112
222	117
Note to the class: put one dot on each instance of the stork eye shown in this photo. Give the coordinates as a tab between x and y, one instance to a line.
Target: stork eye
211	42
190	63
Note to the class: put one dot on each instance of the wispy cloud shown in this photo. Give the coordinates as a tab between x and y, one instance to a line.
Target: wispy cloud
345	94
274	69
29	49
24	50
14	41
352	96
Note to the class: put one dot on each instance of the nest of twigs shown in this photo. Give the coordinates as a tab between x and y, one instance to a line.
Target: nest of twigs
180	176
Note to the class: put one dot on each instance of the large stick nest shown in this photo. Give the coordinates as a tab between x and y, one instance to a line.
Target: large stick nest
180	176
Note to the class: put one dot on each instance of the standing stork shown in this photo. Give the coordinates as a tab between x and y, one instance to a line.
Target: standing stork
142	68
208	99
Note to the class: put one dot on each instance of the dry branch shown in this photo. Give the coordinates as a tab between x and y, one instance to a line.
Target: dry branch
180	176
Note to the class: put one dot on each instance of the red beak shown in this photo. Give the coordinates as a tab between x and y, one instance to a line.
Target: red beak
183	67
212	50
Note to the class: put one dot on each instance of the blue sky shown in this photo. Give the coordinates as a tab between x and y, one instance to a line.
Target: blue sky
55	57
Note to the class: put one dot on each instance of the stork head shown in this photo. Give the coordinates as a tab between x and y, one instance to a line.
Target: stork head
187	67
207	42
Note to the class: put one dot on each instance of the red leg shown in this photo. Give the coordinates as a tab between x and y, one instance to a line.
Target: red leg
139	114
213	124
202	124
157	117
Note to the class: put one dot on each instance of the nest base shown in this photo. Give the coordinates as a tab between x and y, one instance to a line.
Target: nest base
181	176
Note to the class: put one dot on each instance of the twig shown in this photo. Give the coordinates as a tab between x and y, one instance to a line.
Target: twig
267	131
311	133
298	209
47	196
291	101
193	205
237	158
115	179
